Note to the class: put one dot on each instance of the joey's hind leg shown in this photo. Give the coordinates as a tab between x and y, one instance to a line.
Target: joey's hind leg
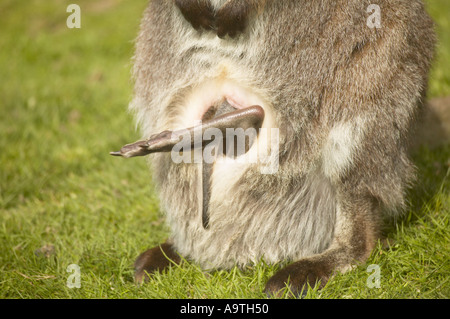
155	259
355	235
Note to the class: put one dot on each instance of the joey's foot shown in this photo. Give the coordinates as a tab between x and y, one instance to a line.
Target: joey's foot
155	259
298	276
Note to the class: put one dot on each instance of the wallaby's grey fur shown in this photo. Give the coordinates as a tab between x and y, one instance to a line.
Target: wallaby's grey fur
343	95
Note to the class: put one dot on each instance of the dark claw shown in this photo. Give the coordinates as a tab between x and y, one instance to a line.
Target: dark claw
115	153
139	148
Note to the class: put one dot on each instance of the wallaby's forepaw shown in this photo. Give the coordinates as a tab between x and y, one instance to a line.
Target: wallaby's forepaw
231	19
155	259
198	13
298	276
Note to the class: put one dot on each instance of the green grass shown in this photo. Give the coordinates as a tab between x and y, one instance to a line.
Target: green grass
64	94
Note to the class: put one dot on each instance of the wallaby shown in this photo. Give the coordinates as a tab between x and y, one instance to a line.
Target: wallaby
336	83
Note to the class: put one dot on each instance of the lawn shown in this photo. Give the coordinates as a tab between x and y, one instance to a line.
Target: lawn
64	200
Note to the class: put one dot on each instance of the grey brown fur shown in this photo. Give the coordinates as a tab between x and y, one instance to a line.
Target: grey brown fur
343	96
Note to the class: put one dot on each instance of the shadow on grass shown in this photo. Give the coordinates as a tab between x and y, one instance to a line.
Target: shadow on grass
430	153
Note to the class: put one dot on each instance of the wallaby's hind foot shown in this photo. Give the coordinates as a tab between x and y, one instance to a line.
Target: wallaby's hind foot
155	259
